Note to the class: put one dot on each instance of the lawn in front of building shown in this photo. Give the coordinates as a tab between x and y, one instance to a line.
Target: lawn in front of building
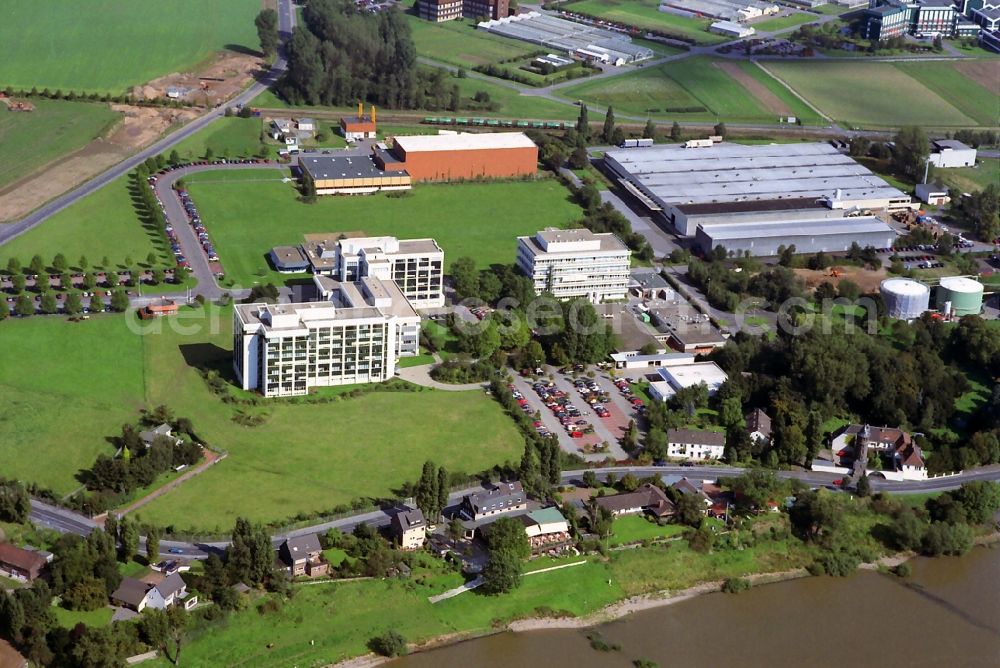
646	14
481	220
460	43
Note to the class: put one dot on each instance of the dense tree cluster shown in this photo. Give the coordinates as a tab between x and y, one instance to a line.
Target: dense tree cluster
343	54
431	493
508	547
725	288
15	503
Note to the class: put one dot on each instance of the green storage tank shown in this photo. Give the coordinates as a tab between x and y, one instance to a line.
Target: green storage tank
958	296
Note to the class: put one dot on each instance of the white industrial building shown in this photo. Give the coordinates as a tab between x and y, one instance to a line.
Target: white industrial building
731	29
932	193
773	181
354	334
686	373
764	238
730	10
586	42
951	153
576	263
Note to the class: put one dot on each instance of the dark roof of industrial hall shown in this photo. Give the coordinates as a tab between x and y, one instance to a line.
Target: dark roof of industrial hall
751	205
344	167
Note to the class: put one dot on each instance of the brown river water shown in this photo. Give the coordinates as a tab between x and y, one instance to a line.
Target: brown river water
946	615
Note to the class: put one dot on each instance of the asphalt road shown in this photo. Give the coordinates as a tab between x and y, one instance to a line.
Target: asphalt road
286	21
66	521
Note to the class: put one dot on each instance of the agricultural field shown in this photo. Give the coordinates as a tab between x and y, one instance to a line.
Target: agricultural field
303	458
698	88
246	219
881	94
459	43
106	46
104	224
646	14
30	140
972	88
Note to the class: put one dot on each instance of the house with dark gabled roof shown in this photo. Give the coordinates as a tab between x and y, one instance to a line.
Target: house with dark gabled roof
503	497
695	444
138	595
647	499
759	426
410	528
20	564
901	458
303	555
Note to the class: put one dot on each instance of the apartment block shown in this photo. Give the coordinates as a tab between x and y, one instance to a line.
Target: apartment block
576	263
355	333
416	266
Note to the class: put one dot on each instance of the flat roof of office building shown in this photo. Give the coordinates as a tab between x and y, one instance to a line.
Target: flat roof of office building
250	313
726	173
345	167
465	141
796	228
609	242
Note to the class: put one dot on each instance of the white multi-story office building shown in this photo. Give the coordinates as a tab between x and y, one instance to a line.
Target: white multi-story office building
415	265
576	263
354	334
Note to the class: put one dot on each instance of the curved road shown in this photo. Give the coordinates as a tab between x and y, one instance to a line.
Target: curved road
67	521
286	22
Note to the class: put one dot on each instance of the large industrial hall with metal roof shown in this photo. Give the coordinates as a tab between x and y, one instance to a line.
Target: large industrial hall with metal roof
754	198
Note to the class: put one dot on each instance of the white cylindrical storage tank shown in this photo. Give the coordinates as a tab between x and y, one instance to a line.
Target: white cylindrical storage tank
965	295
905	299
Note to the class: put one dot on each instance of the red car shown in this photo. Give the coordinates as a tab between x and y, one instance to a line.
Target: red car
576	434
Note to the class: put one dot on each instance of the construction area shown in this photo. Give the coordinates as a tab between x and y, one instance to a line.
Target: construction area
224	76
578	40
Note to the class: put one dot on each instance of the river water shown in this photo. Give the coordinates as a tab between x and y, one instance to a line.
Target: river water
946	615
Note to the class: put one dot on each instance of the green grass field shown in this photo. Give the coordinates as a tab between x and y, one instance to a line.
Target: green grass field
634	528
869	94
459	43
646	14
969	97
971	179
660	92
109	45
104	224
233	137
66	386
782	22
246	220
30	140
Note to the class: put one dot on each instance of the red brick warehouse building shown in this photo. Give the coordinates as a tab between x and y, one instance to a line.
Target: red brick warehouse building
461	157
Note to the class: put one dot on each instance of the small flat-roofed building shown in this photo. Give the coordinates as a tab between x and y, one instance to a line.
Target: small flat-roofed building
764	238
350	175
158	309
575	263
732	29
947	153
695	445
685	330
306	125
647	283
462	156
289	259
673	378
934	194
633	360
354	128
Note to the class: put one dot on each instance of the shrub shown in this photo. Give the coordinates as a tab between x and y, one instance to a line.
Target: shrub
598	642
735	585
389	644
903	570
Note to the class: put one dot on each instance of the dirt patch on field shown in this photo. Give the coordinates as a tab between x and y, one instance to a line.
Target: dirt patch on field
866	279
767	99
986	73
217	80
139	127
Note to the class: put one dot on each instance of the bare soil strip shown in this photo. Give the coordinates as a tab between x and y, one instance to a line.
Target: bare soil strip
986	73
767	99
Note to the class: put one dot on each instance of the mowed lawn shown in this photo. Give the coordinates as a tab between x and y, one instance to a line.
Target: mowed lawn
971	179
64	387
869	94
782	22
104	224
309	457
233	137
971	98
646	14
460	43
29	140
693	88
110	45
247	219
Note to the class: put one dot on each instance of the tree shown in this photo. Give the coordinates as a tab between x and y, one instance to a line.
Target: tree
48	304
119	301
508	547
980	499
390	644
59	263
689	509
158	276
165	630
4	309
906	531
37	265
153	544
111	278
590	479
96	303
98	646
864	486
649	132
24	305
675	132
720	130
426	495
609	125
583	124
210	154
15	503
13	266
579	159
910	151
17	282
442	490
175	158
74	304
267	31
250	557
465	277
129	536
